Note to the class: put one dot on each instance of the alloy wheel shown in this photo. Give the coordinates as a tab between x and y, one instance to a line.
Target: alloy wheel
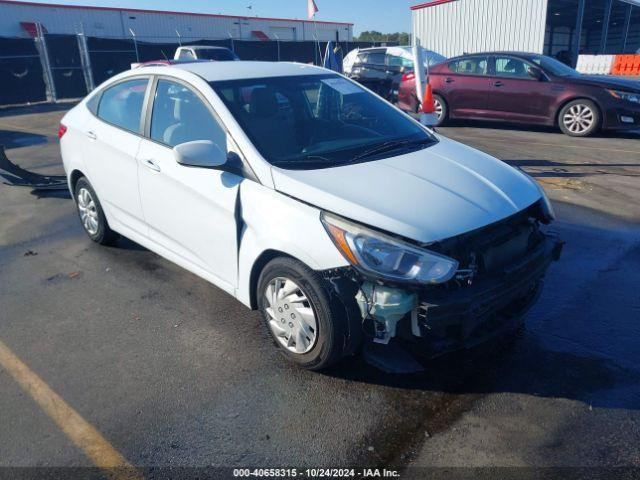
438	108
579	118
291	317
88	211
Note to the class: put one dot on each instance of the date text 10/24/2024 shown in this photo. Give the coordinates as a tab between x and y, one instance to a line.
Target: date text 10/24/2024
315	473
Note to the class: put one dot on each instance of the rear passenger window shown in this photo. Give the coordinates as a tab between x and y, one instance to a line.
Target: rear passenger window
376	58
470	66
180	116
186	55
121	105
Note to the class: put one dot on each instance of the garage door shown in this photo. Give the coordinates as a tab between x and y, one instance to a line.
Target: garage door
282	33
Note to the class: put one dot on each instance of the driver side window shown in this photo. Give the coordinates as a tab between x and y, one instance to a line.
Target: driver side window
180	116
511	67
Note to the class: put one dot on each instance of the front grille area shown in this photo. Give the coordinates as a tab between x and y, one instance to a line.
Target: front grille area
512	260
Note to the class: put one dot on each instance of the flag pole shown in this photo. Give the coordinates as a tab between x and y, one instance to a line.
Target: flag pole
315	27
312	10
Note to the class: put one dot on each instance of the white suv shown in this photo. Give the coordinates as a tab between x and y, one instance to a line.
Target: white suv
309	198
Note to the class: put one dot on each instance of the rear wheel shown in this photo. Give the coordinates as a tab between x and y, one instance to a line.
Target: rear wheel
307	325
91	214
580	118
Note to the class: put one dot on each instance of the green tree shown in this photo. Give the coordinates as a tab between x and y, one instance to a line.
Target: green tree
401	38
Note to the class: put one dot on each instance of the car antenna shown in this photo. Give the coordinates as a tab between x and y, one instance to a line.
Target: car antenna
164	55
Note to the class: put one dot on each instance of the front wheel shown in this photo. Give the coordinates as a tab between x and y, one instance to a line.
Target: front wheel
580	118
307	325
441	110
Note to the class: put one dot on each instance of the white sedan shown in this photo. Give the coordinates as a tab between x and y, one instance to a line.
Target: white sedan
306	196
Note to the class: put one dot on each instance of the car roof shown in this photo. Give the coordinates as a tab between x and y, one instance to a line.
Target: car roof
204	47
218	71
505	52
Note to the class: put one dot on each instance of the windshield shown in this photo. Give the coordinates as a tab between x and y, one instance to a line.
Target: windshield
217	54
555	67
319	121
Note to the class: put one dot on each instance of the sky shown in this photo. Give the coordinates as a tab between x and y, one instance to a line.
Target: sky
386	16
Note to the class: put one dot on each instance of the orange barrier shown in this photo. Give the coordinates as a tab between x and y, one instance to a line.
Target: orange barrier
627	65
635	69
428	104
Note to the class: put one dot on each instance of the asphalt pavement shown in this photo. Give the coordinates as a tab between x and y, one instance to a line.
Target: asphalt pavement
172	372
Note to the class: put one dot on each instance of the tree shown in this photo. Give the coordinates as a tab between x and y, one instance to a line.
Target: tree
401	38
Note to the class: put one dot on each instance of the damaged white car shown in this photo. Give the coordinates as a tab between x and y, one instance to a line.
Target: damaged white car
309	198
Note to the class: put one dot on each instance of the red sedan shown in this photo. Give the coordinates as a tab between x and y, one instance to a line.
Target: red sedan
527	88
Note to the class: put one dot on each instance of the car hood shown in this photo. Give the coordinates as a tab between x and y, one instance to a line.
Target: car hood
606	82
429	195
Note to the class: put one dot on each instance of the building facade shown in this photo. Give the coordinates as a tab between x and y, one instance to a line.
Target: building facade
560	28
17	19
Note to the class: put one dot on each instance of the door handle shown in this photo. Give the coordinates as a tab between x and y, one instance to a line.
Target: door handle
498	84
91	134
449	80
151	164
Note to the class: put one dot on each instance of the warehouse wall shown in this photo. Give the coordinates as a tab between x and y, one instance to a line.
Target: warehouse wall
154	26
466	26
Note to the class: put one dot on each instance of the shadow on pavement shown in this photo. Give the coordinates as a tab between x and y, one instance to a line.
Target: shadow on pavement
487	124
36	108
563	169
17	139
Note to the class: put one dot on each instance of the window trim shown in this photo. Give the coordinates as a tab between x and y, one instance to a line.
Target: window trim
149	108
247	170
140	132
470	57
494	72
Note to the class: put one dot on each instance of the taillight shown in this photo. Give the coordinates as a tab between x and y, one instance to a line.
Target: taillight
407	77
62	129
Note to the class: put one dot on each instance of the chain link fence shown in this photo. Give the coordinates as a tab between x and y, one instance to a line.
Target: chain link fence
53	67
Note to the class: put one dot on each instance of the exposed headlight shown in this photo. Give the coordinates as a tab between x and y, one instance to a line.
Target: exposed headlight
628	96
386	257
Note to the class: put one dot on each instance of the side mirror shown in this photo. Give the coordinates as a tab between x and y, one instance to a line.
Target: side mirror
200	153
535	73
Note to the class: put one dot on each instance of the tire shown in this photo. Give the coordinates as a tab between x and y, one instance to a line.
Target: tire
580	118
282	317
92	217
444	116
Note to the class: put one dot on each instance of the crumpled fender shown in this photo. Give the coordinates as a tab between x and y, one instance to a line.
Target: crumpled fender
269	220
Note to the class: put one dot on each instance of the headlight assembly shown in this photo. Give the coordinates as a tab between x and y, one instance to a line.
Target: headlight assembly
383	256
628	96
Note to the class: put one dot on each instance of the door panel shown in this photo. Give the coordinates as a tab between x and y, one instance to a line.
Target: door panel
515	96
112	166
465	85
190	211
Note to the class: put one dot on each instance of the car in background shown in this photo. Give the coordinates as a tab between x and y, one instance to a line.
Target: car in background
205	52
164	63
527	88
381	69
309	198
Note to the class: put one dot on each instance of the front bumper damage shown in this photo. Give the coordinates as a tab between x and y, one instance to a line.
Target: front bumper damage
437	319
469	316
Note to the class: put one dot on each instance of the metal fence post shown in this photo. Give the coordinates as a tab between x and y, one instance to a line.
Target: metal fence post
41	44
85	61
135	44
233	49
